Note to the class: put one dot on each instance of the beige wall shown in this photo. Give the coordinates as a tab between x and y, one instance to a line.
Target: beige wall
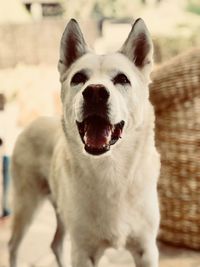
36	42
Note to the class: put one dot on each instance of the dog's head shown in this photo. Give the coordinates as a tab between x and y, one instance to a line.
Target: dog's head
103	95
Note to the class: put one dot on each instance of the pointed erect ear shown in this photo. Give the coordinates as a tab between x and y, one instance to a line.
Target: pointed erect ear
138	46
72	45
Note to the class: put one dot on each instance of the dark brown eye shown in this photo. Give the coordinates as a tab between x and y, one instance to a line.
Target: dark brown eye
121	78
79	77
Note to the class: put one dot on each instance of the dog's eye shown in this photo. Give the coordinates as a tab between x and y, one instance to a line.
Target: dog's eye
121	78
79	77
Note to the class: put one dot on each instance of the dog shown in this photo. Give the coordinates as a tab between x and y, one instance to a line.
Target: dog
98	165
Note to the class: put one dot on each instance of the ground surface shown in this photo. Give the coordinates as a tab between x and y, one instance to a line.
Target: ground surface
35	251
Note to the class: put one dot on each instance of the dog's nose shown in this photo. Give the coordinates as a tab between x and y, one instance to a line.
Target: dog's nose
96	93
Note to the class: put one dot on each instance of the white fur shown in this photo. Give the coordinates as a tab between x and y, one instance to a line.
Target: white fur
103	201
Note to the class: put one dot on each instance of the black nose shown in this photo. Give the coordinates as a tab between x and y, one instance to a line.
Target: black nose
96	93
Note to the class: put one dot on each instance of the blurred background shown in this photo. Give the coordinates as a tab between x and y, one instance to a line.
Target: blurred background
30	32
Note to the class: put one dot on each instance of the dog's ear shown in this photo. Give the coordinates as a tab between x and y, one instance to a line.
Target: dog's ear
138	47
72	45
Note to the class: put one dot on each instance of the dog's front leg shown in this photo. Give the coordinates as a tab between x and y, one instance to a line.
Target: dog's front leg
145	253
57	243
85	253
81	258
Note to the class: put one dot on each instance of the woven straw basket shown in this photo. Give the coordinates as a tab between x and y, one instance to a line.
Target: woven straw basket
175	93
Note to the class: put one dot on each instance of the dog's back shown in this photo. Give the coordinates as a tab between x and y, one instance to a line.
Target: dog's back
33	151
30	169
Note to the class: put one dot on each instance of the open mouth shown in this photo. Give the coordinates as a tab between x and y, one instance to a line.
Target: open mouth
98	134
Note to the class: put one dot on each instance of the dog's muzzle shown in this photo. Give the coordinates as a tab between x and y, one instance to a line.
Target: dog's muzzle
96	131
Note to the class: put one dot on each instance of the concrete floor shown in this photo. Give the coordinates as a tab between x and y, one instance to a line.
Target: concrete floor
35	251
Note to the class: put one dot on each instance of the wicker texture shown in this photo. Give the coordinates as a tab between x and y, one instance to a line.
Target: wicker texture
175	93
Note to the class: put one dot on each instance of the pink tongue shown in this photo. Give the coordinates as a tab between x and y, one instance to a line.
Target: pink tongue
97	135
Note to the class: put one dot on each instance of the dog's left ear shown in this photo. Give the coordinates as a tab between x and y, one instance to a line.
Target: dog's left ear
138	47
72	45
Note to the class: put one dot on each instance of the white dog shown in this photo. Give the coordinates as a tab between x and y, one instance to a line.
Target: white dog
99	167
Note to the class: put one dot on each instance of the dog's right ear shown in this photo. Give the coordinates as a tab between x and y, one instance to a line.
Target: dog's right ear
72	46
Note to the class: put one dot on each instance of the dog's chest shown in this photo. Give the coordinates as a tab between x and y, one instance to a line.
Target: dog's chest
104	208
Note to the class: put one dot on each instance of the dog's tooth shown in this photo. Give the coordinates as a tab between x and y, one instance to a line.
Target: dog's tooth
85	138
107	142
